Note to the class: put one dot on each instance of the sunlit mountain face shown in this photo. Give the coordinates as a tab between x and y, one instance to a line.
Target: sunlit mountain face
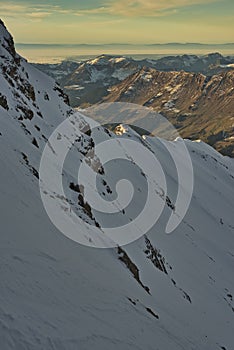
160	84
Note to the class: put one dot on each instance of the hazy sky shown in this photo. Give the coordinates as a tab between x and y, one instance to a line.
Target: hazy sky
119	21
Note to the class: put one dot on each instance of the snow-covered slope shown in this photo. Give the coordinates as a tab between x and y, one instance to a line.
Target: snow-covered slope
160	292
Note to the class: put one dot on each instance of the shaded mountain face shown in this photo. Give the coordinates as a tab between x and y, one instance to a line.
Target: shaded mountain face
87	82
162	291
58	71
194	93
90	81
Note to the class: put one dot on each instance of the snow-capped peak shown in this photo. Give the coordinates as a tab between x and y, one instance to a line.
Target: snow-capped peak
7	48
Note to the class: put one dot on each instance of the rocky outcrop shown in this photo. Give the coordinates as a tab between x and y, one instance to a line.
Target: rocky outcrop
7	43
17	82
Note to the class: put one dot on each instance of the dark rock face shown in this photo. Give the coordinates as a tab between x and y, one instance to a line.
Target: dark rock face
3	102
8	43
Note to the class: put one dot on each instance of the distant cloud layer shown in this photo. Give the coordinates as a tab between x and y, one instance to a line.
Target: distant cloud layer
125	8
147	7
132	21
14	10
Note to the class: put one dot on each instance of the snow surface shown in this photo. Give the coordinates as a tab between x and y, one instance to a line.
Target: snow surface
57	294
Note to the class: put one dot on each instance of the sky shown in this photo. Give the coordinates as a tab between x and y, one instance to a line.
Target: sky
119	21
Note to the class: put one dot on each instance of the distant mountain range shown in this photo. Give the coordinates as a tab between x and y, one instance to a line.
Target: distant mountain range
129	44
192	44
194	92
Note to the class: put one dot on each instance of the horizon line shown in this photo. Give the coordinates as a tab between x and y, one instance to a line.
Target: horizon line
128	44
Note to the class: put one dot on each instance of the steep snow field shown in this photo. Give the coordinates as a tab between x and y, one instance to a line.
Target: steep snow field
161	292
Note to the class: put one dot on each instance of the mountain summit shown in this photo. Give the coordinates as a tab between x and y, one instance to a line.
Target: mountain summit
6	43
